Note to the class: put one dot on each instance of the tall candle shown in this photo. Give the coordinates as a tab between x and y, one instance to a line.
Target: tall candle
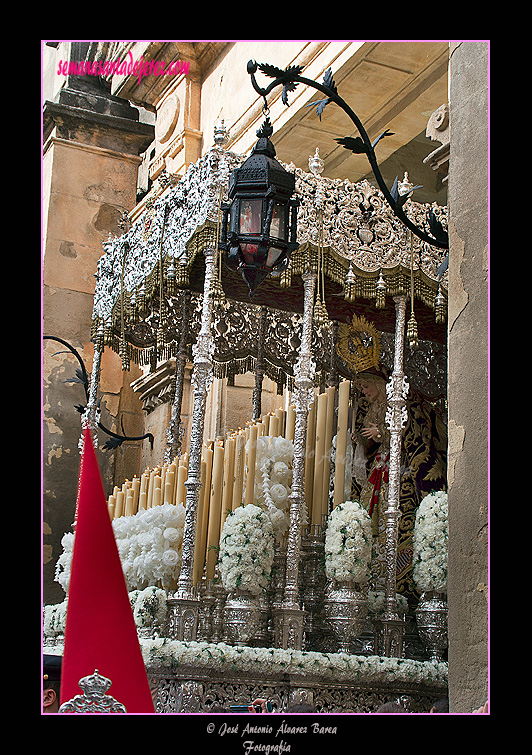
136	490
319	458
199	545
111	508
290	423
169	487
266	420
228	481
280	414
341	442
157	496
181	493
239	470
207	456
213	532
130	503
309	456
143	501
274	425
119	507
252	455
331	391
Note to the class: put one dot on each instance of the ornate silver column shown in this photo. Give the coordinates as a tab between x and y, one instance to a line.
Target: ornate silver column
290	617
259	366
173	431
185	603
91	415
392	626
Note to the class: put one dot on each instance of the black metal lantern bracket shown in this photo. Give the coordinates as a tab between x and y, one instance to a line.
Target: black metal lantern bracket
289	79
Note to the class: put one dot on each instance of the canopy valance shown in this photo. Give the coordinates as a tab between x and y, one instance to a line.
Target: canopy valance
346	233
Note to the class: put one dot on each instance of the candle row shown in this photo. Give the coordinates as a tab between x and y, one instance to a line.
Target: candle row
228	473
228	477
162	484
322	424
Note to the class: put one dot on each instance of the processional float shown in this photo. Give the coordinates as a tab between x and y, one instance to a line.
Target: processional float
314	253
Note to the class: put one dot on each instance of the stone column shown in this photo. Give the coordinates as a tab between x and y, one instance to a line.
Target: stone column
468	471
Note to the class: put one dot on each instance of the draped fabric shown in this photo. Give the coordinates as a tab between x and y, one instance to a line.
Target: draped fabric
423	469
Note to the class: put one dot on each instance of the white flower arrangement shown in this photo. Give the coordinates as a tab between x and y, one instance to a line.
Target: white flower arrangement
246	550
273	480
149	607
376	603
348	542
149	544
328	666
430	543
54	619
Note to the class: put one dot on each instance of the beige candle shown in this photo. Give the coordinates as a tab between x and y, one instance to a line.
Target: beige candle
169	487
119	507
319	458
135	486
266	419
251	458
274	425
111	509
328	442
130	506
280	414
156	499
151	488
213	531
239	470
181	493
290	423
341	441
207	457
199	545
143	501
309	456
228	480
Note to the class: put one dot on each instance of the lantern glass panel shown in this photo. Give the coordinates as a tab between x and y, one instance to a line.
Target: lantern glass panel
250	216
278	227
273	256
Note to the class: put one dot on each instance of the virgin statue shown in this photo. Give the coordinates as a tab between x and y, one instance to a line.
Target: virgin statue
423	453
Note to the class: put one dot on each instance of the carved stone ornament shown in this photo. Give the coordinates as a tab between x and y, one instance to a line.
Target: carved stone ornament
94	698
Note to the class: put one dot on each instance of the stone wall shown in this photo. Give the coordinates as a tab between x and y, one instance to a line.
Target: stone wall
468	377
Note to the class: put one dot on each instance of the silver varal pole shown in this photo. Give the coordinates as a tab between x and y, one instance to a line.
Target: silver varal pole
290	617
185	604
396	416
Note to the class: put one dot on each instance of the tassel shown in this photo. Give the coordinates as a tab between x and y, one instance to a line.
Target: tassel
439	307
380	300
321	317
411	332
349	287
217	293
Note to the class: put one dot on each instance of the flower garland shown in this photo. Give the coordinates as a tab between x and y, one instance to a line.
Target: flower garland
246	550
430	543
149	545
328	666
348	542
273	482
